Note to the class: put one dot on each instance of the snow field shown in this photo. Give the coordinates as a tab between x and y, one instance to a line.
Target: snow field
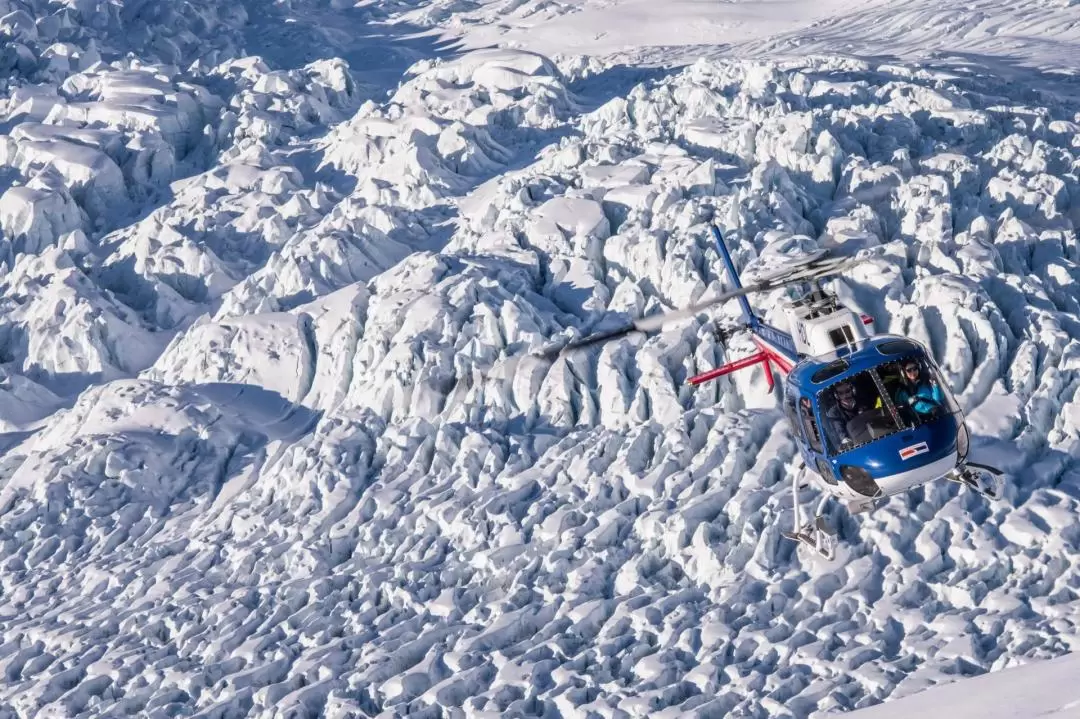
293	473
1042	689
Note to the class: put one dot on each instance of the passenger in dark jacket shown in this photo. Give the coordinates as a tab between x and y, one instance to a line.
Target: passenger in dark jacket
839	413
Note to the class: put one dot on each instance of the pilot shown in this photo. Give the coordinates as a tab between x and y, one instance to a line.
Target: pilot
843	411
917	391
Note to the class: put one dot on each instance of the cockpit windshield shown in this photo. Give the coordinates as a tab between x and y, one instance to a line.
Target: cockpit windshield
896	395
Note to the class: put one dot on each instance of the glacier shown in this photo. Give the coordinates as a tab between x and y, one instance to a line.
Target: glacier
269	448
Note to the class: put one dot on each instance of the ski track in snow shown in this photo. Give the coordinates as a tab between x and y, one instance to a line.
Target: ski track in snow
252	463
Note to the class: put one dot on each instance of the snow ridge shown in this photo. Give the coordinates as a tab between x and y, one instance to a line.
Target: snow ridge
254	461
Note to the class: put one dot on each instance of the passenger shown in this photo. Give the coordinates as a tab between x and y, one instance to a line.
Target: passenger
920	393
839	413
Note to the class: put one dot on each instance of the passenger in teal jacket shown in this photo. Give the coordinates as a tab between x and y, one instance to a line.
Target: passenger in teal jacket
917	392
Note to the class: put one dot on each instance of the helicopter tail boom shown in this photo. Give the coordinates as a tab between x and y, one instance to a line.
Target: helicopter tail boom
777	344
776	347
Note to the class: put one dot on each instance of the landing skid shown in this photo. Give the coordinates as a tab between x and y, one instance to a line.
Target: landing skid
818	536
979	478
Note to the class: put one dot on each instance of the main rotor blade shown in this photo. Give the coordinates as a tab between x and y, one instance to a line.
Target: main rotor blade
651	323
816	269
810	269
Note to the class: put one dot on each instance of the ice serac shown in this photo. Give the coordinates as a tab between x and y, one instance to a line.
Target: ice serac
34	216
154	124
448	126
268	350
351	243
23	403
92	176
60	329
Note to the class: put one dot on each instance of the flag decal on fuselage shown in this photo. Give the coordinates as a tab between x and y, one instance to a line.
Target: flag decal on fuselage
909	452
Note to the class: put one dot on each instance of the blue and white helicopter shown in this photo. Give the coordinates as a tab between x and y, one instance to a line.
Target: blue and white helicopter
870	413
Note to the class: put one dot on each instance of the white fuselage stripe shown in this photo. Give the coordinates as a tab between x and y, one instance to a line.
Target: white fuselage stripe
903	481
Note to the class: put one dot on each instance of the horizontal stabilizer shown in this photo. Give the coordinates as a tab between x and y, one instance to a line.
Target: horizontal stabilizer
756	358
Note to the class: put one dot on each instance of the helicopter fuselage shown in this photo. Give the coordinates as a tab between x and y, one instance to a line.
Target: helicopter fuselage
880	446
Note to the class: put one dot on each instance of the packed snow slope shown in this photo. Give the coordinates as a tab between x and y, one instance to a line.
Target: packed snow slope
996	32
1045	689
262	450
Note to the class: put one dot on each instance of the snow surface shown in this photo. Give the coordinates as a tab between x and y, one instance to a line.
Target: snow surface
1045	689
263	449
995	33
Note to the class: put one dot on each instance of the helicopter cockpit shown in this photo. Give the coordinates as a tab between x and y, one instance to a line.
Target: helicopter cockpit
894	395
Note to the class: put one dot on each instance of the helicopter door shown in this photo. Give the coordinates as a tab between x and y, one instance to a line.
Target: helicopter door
800	416
810	425
804	427
793	417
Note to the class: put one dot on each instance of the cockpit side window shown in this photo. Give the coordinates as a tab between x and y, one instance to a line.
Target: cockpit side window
800	415
809	424
792	415
899	394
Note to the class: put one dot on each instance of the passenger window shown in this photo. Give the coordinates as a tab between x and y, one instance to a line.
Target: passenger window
792	416
825	471
809	424
841	336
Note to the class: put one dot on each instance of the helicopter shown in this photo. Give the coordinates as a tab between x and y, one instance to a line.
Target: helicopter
870	413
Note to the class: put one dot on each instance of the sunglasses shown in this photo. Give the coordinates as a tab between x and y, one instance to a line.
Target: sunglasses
912	368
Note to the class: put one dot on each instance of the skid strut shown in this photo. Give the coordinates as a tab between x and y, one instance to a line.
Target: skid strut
816	535
979	478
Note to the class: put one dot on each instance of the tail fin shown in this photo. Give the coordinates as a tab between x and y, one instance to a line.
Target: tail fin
748	313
